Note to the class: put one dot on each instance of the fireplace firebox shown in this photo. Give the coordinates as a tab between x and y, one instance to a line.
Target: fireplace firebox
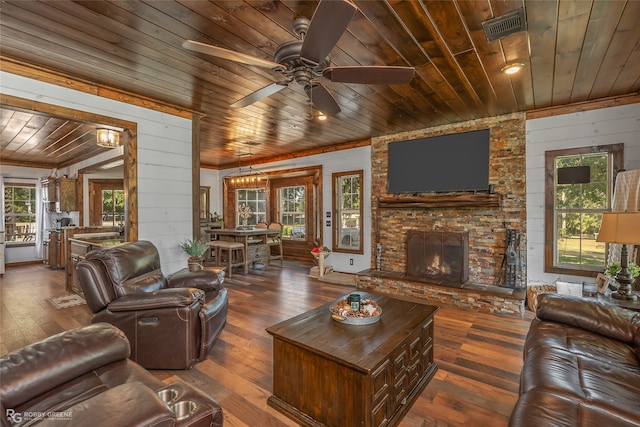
438	257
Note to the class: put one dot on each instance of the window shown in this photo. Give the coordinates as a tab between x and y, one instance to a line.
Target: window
256	200
574	207
112	207
20	212
347	211
291	211
106	202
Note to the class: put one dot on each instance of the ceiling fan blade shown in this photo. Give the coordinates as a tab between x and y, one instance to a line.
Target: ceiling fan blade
231	55
370	75
329	22
322	99
259	94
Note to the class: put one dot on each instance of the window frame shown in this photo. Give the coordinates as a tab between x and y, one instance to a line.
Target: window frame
280	211
24	241
257	216
96	187
311	177
338	209
617	161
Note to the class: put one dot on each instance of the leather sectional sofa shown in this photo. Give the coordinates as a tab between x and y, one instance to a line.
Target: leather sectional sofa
83	377
581	365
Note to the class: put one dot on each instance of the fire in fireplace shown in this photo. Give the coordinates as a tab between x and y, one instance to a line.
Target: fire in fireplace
438	257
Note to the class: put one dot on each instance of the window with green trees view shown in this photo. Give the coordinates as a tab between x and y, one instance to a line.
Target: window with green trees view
579	210
20	212
577	206
347	206
112	207
292	211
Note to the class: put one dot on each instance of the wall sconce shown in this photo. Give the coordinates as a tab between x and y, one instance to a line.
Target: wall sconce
107	138
512	68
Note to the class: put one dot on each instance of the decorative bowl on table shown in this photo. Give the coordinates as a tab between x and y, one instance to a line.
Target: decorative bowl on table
368	313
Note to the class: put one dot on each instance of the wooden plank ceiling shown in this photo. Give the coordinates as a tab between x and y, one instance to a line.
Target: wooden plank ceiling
573	51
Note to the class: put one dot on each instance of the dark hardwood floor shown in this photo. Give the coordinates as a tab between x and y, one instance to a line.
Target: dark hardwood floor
479	355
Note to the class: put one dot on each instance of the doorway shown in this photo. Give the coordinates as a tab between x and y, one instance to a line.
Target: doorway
130	143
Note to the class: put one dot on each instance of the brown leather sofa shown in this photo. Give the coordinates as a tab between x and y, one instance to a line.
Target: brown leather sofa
581	365
83	377
171	322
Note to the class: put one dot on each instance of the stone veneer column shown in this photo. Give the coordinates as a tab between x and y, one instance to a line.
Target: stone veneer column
486	226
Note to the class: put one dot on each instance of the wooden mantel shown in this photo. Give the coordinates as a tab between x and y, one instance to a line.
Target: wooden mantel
464	200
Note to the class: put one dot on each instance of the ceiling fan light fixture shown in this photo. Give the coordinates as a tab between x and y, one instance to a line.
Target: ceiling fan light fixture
307	57
107	138
512	68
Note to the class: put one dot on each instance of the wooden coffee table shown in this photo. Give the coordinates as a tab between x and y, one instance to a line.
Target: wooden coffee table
327	373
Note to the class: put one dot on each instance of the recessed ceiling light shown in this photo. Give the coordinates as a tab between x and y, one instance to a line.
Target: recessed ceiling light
512	68
322	117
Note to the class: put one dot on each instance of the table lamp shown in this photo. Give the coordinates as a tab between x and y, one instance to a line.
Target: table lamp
623	228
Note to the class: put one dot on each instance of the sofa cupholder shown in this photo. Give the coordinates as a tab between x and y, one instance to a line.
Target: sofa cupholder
168	395
184	409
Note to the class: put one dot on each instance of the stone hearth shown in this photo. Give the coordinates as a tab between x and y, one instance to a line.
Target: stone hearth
477	297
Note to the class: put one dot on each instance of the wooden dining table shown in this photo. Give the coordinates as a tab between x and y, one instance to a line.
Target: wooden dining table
254	240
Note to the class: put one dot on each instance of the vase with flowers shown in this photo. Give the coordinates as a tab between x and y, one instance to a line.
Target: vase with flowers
320	250
319	254
245	213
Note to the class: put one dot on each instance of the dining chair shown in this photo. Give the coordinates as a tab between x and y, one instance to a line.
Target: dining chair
275	241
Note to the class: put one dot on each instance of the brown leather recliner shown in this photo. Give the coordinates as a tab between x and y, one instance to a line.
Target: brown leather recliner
171	322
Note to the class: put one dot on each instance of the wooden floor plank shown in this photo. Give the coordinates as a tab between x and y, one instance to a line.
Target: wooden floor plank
479	355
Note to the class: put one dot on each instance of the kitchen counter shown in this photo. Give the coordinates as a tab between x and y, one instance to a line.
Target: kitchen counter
82	244
81	240
104	240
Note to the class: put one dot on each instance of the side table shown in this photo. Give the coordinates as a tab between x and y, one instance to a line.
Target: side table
629	305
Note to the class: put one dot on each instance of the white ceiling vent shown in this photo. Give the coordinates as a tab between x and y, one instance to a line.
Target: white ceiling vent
502	26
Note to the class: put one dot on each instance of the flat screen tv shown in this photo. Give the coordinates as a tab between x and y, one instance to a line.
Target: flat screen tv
456	162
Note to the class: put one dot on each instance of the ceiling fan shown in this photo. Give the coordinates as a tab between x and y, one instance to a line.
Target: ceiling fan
306	59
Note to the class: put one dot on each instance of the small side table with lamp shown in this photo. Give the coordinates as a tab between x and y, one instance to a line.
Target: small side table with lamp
622	228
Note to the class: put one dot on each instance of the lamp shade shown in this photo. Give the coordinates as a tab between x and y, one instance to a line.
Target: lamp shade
620	227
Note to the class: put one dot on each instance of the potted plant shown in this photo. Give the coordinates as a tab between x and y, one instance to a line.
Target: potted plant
320	250
613	268
319	254
215	217
196	249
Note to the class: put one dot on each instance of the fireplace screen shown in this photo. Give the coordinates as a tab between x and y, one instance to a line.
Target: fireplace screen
438	257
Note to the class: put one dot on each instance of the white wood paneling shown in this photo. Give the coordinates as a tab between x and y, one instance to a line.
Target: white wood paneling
615	125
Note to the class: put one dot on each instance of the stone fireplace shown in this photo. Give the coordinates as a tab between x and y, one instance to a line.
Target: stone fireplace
438	257
482	218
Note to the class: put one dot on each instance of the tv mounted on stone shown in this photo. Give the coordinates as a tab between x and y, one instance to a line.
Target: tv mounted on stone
445	163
